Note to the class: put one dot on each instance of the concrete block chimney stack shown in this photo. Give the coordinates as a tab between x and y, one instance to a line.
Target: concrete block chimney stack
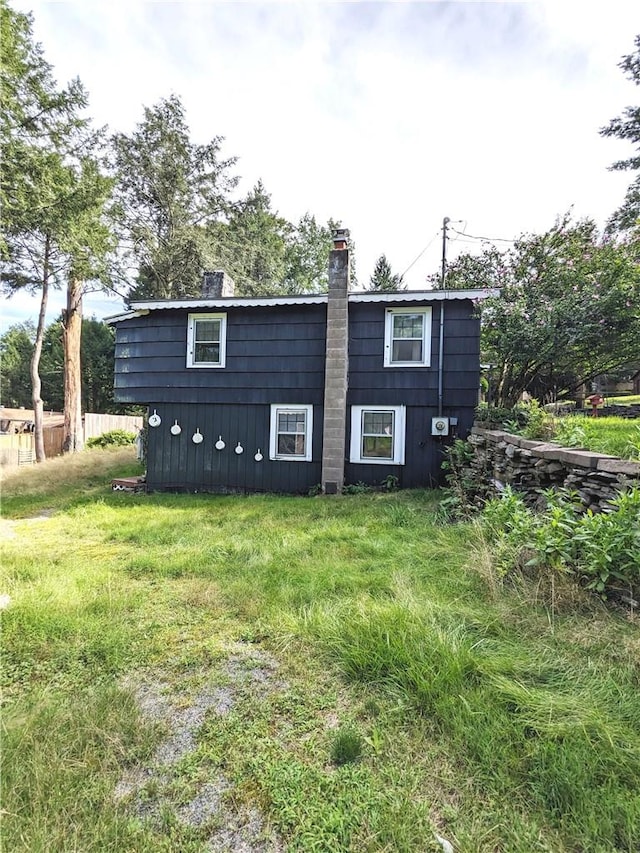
217	284
336	367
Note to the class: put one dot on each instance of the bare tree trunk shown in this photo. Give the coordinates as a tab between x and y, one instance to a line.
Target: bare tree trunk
36	384
73	440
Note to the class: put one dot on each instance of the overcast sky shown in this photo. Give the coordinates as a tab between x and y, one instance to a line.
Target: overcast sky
385	115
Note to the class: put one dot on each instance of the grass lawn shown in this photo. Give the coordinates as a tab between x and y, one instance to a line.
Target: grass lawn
613	435
320	674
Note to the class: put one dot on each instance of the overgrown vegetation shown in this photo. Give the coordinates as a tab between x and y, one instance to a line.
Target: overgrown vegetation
602	550
615	436
113	438
476	715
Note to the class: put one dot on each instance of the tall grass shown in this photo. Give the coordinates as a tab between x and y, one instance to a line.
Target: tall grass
612	435
474	714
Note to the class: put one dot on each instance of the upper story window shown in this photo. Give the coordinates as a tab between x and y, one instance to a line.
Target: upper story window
407	337
206	340
291	433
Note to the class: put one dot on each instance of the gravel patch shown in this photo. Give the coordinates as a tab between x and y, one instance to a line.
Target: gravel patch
184	711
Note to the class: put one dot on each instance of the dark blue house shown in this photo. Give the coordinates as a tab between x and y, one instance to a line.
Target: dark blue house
284	393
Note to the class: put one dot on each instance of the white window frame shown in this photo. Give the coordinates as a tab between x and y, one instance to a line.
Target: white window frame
191	341
282	408
390	313
399	430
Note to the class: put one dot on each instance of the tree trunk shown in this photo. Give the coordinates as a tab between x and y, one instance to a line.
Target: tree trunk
36	384
73	440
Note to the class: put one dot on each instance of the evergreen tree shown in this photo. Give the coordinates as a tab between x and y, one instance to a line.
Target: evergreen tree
53	197
383	279
627	126
170	193
252	246
16	348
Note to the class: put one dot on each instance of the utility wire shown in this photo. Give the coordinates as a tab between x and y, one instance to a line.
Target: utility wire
488	239
415	260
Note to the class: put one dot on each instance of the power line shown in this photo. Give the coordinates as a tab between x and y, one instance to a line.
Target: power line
415	260
488	239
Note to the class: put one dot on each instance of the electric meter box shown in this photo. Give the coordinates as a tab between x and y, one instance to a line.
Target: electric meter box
439	426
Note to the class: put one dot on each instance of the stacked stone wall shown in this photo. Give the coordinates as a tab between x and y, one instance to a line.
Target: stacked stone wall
502	459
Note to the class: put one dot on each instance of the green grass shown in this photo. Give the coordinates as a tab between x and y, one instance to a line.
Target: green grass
624	400
612	435
469	708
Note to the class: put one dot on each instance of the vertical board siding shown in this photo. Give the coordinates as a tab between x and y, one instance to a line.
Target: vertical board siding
423	456
175	462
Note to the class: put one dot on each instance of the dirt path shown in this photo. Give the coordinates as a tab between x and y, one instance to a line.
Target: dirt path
146	789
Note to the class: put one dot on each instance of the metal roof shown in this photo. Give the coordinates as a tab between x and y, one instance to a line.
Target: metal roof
139	309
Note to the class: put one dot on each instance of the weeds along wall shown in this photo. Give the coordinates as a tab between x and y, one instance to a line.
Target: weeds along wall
502	459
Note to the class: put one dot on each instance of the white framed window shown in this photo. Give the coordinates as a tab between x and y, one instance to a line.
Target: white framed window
207	340
377	434
407	337
291	432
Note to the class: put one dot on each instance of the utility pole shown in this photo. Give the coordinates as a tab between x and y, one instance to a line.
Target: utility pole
443	277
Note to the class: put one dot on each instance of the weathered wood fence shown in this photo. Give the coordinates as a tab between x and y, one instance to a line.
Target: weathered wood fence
19	448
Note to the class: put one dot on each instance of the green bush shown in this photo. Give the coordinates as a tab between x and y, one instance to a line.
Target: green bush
114	438
601	549
608	546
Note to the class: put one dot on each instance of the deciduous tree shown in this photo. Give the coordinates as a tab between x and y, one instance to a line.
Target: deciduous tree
568	310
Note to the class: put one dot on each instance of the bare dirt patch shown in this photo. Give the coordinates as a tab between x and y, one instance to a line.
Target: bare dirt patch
183	710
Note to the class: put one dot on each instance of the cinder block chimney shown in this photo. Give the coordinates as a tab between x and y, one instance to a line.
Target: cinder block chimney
336	367
217	284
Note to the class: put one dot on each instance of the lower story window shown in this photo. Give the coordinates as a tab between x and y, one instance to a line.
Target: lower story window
377	434
291	433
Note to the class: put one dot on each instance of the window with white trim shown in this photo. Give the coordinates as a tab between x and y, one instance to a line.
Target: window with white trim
378	434
407	337
291	432
206	340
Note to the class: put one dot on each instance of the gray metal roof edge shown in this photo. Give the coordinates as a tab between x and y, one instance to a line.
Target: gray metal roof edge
422	295
141	308
229	302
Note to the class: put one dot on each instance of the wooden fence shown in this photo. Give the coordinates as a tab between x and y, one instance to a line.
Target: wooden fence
19	448
98	424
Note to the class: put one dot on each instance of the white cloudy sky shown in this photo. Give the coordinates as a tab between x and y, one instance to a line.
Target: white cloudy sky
385	115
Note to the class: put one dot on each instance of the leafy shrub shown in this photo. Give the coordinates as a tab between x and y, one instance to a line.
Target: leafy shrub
528	419
602	550
499	416
571	433
608	545
466	491
114	438
359	488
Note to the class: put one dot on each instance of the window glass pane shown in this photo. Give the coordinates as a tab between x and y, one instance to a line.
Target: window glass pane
208	331
407	325
290	445
378	447
377	423
208	353
404	350
291	422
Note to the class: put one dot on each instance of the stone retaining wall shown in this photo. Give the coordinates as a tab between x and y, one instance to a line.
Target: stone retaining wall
632	411
530	466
